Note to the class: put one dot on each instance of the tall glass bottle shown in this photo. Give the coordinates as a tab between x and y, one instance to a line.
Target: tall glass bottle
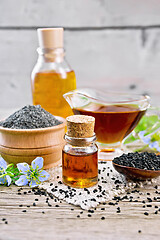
52	76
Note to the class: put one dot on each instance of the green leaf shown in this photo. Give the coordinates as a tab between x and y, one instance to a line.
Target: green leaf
146	122
155	136
149	124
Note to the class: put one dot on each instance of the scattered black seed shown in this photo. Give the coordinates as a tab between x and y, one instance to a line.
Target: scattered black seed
149	205
34	204
156	212
20	205
143	201
51	184
102	209
104	181
78	216
89	215
36	199
144	160
29	191
146	213
91	211
102	218
111	203
43	212
95	190
156	206
148	193
25	193
139	231
149	199
156	187
3	219
30	117
28	206
19	193
6	222
93	199
81	212
144	206
24	210
57	205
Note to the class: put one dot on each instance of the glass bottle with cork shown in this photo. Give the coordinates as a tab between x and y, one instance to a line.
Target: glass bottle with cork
52	76
80	153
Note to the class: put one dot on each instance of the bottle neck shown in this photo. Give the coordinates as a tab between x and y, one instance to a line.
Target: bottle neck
80	142
51	54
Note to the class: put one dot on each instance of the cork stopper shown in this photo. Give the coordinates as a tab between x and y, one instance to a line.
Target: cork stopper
50	37
80	126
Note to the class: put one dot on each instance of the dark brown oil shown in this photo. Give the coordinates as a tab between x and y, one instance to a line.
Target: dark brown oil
114	122
80	170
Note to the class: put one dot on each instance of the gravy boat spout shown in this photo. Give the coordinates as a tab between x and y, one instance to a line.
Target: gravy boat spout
78	98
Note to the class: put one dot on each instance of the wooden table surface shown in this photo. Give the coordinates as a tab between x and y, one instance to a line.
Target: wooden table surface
44	222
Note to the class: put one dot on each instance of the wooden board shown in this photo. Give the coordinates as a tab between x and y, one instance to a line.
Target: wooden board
62	222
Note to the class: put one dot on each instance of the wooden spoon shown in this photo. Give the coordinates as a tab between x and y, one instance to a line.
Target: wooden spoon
136	173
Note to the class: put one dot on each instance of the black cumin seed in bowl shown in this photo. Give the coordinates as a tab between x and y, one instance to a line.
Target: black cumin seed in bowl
30	117
138	166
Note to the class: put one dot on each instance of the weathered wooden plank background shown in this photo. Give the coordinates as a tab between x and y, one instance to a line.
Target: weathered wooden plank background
109	43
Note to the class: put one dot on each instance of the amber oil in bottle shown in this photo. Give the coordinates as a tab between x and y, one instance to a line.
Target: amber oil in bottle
80	153
52	76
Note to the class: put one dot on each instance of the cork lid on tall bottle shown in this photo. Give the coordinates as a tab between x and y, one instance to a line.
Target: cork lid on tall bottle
80	126
50	37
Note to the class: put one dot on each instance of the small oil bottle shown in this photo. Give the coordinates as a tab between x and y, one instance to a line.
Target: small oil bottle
52	76
80	154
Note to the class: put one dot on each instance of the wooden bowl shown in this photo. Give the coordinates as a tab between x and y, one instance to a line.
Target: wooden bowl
24	145
136	173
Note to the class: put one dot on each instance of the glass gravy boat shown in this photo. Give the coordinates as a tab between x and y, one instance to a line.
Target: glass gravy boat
116	115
